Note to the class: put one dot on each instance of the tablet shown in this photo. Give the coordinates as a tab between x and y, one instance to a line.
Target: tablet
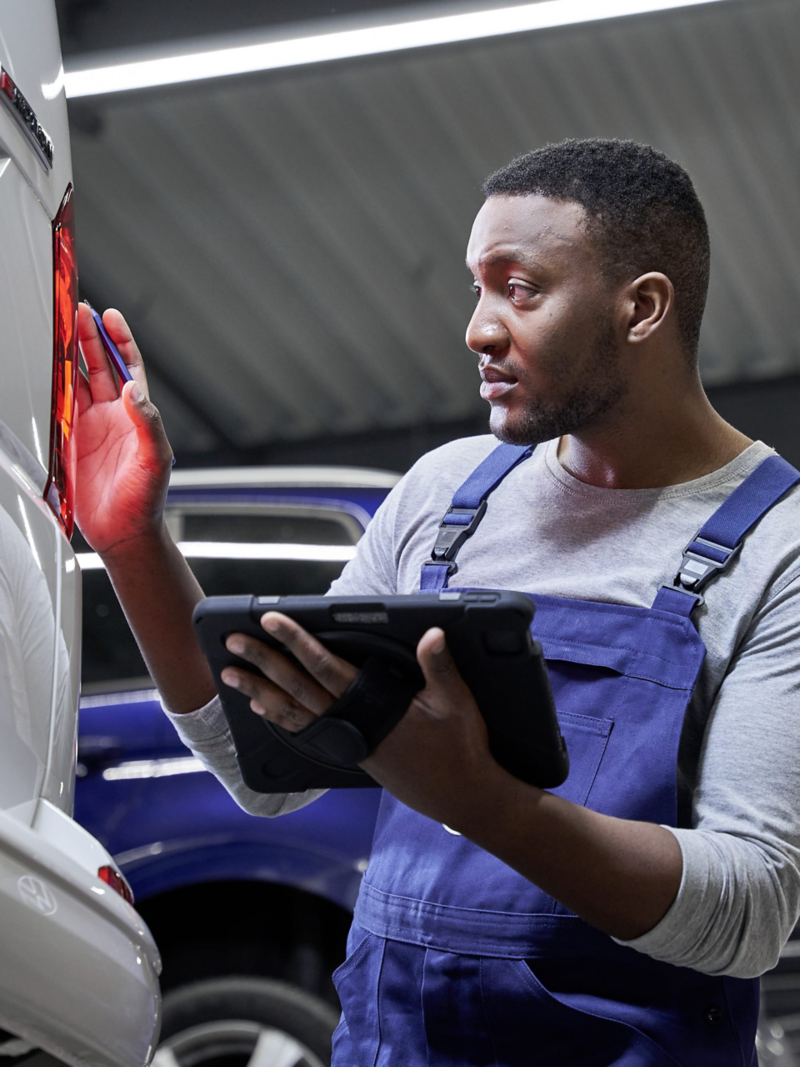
488	634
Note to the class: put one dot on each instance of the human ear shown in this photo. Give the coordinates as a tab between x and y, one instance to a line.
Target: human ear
648	301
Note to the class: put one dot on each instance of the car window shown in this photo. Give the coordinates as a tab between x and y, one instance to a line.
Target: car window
281	526
217	541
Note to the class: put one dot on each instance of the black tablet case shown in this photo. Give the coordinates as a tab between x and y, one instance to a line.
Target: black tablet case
488	634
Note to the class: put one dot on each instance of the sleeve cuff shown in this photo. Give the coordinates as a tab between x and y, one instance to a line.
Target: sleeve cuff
205	724
676	932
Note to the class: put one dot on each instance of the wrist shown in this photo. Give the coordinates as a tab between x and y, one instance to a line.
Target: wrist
150	542
495	806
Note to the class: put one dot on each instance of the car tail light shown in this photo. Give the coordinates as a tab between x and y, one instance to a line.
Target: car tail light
116	881
61	479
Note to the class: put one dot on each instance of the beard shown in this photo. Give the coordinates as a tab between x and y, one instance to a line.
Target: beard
585	398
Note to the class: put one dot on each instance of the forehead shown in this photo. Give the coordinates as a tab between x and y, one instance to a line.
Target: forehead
527	228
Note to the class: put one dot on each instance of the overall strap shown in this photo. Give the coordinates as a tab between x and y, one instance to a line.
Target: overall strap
716	545
466	511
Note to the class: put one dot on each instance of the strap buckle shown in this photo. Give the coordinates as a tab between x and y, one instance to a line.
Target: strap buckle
453	533
452	566
697	568
697	598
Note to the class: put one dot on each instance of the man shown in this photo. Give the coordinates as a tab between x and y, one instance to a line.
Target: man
622	920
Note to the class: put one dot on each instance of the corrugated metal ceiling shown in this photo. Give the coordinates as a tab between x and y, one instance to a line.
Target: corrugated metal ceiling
289	247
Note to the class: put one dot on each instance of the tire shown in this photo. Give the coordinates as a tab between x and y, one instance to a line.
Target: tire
235	1022
778	1040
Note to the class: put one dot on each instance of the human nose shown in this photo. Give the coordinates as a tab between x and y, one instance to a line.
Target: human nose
486	334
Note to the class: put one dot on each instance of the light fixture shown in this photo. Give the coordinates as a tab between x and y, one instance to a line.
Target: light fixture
145	73
90	561
153	768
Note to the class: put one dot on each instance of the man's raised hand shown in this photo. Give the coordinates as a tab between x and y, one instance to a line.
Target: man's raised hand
124	457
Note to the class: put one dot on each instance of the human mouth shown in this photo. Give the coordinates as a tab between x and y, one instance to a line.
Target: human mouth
495	384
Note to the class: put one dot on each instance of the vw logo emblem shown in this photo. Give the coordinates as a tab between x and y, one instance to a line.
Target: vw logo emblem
36	895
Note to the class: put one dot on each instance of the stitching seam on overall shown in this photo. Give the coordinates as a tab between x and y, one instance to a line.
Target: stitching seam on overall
623	648
600	607
409	904
422	1004
485	1011
568	646
378	1003
725	980
652	655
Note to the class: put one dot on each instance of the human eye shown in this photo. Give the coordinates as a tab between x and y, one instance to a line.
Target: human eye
518	290
475	289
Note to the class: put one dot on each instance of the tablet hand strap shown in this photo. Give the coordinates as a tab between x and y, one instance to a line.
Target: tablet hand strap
369	709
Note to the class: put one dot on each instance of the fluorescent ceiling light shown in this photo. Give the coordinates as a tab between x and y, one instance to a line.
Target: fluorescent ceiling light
345	44
240	550
154	768
90	561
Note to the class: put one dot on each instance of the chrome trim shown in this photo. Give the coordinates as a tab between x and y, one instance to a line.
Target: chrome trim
25	118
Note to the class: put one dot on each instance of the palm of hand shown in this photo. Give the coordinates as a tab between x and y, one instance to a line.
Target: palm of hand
113	485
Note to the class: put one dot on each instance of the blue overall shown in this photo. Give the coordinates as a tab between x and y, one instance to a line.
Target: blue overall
454	958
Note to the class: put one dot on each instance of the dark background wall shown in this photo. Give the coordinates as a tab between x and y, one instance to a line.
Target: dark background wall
768	411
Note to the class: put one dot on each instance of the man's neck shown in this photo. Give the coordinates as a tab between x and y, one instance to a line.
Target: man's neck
660	448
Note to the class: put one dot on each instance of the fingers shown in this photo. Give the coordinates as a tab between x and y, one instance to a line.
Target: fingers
289	694
290	679
102	378
120	334
331	672
269	700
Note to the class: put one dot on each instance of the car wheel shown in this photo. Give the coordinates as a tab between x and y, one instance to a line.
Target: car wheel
779	1026
244	1022
772	1047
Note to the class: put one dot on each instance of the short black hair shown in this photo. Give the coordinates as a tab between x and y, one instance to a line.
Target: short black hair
642	212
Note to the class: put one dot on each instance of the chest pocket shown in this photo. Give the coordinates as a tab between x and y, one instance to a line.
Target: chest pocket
587	738
621	705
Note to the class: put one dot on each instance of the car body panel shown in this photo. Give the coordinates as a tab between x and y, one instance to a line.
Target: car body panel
78	967
59	783
26	311
72	944
31	53
28	581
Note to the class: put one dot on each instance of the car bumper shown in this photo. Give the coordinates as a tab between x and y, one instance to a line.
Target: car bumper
78	967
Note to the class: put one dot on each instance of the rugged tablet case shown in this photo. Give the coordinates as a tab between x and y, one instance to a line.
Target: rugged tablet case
488	634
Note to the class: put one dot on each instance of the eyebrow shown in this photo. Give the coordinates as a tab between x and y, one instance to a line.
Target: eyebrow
512	256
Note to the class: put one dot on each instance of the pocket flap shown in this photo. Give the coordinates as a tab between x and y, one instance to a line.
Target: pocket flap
586	737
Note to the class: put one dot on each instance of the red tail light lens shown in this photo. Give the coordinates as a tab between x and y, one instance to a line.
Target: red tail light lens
116	881
61	481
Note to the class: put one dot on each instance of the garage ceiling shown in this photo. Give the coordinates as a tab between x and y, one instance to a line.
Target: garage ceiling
289	246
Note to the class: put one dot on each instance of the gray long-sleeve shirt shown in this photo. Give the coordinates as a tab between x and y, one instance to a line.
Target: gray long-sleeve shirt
545	532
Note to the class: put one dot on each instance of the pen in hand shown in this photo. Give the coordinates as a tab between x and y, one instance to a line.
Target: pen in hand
113	353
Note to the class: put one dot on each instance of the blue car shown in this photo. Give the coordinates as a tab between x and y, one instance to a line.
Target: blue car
251	915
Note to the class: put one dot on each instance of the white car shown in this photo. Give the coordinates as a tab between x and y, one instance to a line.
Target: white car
78	967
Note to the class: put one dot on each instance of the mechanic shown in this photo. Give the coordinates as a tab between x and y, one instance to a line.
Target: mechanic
623	918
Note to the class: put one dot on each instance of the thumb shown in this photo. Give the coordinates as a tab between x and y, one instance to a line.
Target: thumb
154	448
436	662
